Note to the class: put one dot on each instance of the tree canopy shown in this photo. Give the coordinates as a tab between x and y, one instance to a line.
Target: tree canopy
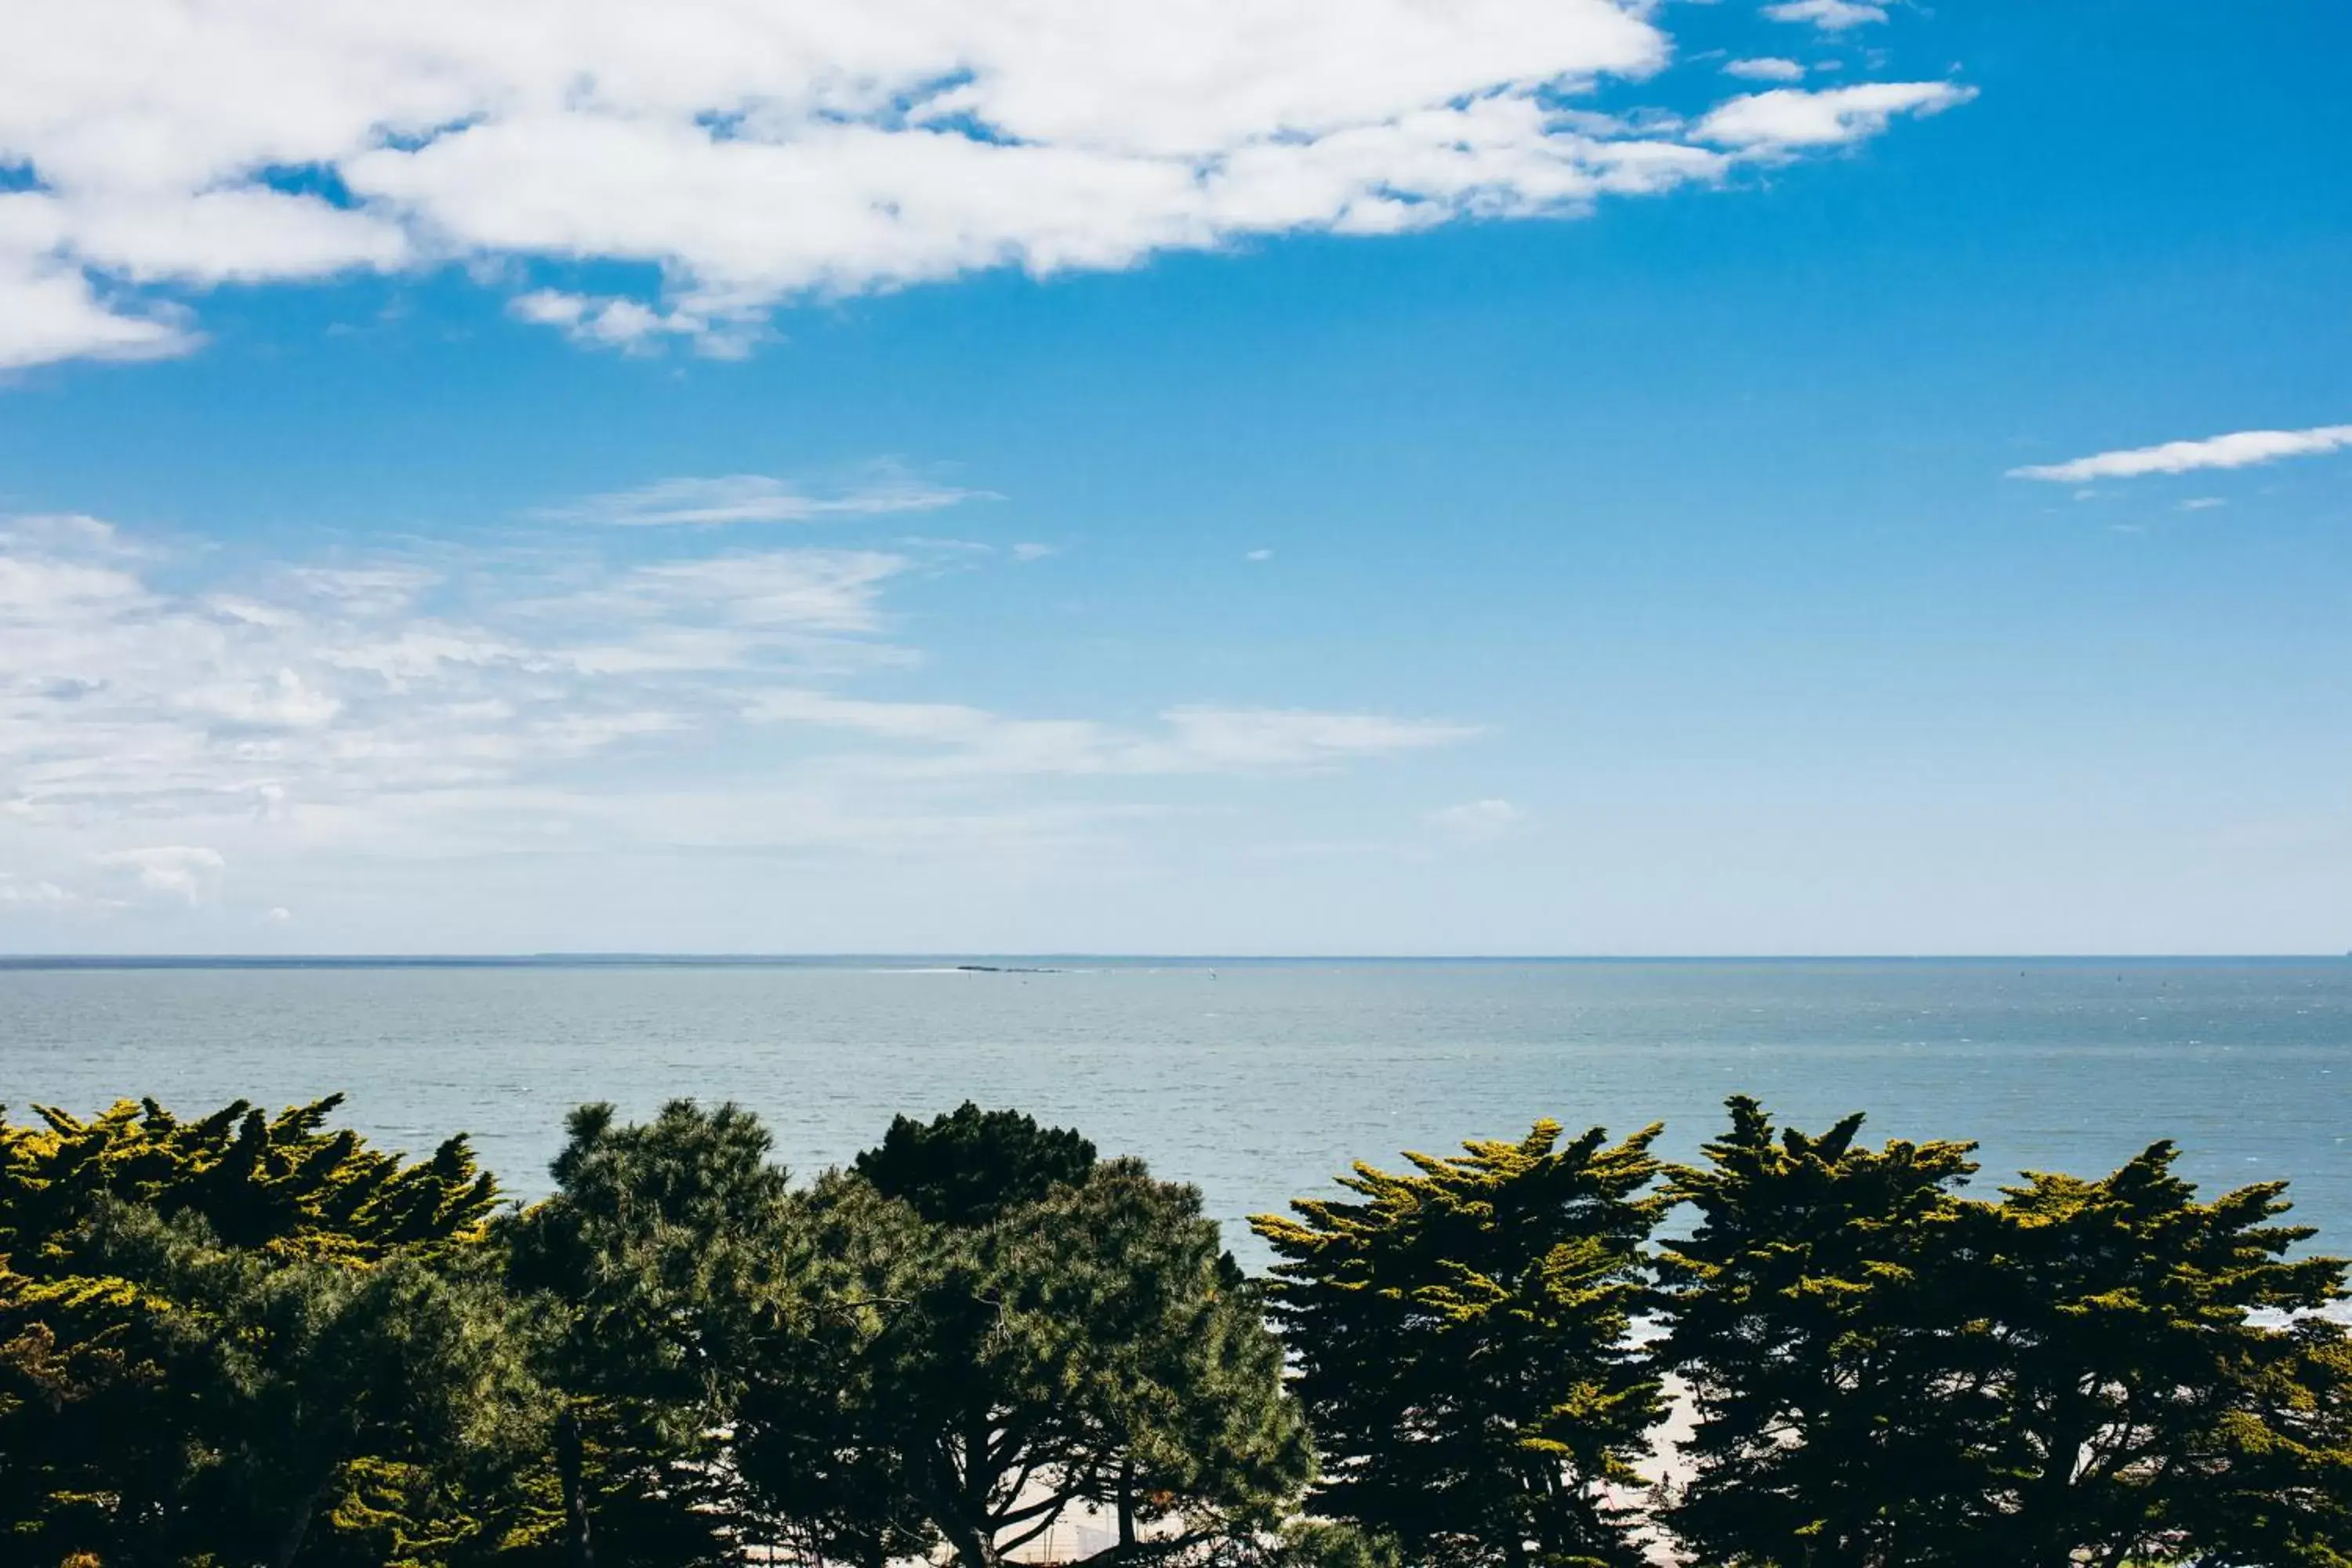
1463	1338
1886	1372
969	1166
243	1339
1043	1342
253	1340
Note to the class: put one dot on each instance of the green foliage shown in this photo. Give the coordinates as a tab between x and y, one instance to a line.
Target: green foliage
976	1381
1462	1344
971	1165
333	1383
1887	1374
1301	1544
1806	1307
255	1341
668	1255
2120	1386
285	1182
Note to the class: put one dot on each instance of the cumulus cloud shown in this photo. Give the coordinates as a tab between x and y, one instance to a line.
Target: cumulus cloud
748	156
761	497
2240	449
1830	15
1770	69
1791	118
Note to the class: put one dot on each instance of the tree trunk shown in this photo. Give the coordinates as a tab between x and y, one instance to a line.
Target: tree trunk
1126	1509
289	1542
575	1493
973	1549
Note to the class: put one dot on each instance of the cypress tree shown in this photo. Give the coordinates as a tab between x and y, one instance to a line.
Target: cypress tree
1807	1314
248	1338
1461	1339
2131	1409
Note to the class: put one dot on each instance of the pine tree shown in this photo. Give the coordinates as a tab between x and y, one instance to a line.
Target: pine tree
669	1254
970	1166
1462	1341
1057	1332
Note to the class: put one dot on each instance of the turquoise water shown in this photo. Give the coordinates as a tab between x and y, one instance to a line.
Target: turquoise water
1259	1081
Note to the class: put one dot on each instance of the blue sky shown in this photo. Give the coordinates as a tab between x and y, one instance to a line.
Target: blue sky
1531	476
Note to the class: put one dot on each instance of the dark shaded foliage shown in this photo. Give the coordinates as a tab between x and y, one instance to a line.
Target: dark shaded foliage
971	1166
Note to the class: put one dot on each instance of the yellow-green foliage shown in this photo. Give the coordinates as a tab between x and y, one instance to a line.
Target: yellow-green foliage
282	1184
225	1337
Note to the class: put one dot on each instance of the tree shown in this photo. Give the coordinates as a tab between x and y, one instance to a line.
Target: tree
283	1184
669	1252
2130	1410
1809	1315
2285	1497
1030	1342
969	1166
335	1385
1462	1337
1888	1375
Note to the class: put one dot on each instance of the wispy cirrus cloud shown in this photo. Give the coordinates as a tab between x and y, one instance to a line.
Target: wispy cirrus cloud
950	739
1479	821
749	157
170	721
2239	449
882	490
183	870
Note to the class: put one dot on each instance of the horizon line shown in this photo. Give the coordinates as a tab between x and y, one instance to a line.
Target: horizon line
983	960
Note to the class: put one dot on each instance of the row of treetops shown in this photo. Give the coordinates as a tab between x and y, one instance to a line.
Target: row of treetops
255	1339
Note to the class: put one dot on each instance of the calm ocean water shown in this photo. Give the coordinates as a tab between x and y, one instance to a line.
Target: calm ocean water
1259	1081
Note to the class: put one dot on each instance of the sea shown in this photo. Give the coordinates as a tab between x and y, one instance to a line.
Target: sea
1258	1079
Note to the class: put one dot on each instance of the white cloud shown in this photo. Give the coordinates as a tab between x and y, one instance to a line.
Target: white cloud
1788	118
2241	449
1258	556
749	155
50	310
1766	69
27	895
760	497
958	740
2203	503
184	871
163	716
616	321
1830	15
1479	821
